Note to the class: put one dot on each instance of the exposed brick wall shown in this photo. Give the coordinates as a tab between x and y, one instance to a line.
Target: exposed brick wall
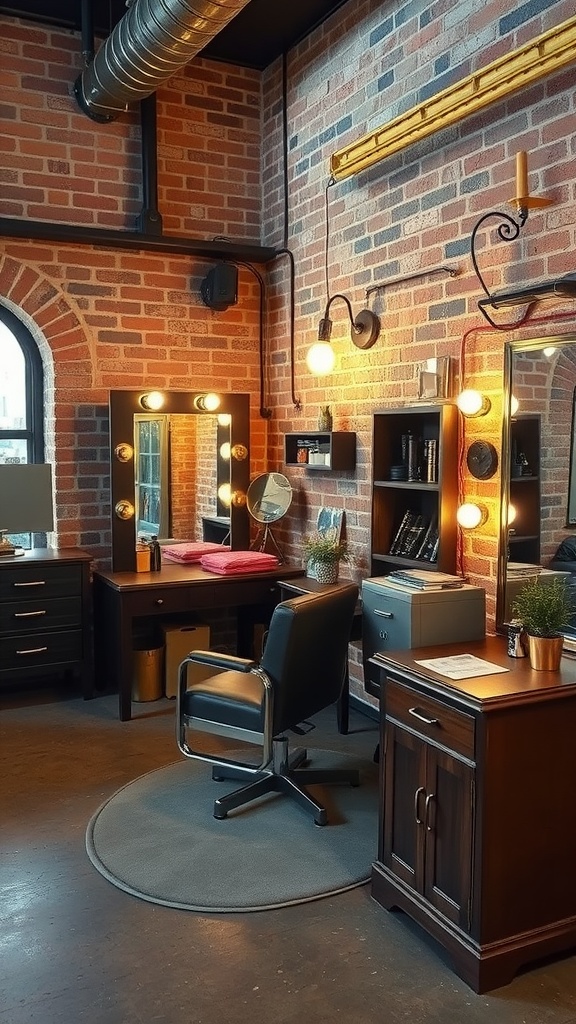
107	319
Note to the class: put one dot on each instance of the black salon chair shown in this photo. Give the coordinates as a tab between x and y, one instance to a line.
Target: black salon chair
300	673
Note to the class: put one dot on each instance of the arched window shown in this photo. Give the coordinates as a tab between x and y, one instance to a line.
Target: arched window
21	393
21	403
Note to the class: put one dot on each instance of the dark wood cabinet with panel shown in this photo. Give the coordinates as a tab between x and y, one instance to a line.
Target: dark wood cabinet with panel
45	616
321	450
524	535
414	488
475	840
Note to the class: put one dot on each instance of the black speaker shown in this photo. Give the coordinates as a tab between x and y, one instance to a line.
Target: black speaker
219	289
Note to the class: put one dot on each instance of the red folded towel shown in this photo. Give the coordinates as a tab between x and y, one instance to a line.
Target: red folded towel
229	563
192	551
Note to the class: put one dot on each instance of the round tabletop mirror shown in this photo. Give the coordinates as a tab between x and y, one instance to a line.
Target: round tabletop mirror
269	497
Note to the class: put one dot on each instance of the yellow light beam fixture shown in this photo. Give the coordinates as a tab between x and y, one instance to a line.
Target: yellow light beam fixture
542	56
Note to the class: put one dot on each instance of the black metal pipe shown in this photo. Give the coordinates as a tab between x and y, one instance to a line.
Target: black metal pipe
46	231
150	219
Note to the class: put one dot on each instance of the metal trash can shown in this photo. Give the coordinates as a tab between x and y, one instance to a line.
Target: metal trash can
147	677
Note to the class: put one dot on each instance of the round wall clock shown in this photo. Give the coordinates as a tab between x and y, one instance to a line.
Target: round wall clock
482	460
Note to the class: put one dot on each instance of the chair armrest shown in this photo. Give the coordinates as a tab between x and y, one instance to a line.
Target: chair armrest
225	661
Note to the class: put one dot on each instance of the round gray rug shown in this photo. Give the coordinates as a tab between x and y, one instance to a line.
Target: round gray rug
156	838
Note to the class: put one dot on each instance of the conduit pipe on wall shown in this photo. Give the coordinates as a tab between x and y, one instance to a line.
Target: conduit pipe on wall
154	40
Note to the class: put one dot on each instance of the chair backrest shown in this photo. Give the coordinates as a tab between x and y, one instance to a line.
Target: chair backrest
306	653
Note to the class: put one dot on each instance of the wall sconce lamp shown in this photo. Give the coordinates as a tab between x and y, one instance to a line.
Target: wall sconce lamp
471	515
152	401
364	331
473	403
207	403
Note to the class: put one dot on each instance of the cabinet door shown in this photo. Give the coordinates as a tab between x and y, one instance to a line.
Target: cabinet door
448	825
402	842
428	822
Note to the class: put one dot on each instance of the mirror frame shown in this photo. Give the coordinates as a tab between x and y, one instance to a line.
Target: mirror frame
510	349
122	407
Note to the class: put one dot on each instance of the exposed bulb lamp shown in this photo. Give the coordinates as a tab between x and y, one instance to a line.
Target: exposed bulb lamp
471	515
320	358
364	329
152	401
207	403
514	405
473	403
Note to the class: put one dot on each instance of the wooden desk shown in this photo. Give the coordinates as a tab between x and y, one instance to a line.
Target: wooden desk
122	597
477	835
305	585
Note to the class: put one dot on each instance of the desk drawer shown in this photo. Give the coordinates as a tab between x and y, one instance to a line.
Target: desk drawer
42	582
161	600
25	616
430	718
39	650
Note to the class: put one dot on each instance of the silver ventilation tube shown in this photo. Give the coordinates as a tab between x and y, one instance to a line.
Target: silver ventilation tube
154	40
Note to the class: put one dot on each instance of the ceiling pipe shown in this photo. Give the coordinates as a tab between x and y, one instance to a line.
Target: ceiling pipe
153	41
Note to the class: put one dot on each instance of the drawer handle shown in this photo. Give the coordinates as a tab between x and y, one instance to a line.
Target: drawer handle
417	795
33	650
32	583
159	600
29	615
383	615
422	718
429	800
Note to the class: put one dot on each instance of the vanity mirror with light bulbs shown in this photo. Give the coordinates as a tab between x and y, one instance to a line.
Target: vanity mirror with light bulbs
177	457
538	483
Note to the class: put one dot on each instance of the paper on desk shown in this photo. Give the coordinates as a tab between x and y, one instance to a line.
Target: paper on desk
462	666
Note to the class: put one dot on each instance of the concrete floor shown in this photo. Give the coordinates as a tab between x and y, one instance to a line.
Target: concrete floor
74	948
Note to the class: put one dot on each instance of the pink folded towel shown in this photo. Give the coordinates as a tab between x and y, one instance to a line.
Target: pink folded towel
192	551
230	563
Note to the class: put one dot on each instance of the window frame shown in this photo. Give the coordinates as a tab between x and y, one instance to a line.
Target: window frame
33	433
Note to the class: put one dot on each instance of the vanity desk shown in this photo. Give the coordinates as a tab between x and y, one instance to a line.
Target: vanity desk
477	835
120	598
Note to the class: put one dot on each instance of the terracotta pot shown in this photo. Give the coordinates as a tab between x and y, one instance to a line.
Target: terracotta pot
545	652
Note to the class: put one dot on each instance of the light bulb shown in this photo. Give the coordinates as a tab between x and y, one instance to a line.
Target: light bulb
548	352
153	401
225	451
320	358
224	419
511	514
472	403
225	494
471	515
207	403
514	404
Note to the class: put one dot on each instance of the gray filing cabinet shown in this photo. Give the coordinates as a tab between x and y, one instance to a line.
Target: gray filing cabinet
400	618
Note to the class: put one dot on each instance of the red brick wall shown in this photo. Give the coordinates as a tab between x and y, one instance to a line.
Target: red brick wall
106	318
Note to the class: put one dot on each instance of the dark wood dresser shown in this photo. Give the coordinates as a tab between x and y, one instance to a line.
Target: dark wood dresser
477	829
46	616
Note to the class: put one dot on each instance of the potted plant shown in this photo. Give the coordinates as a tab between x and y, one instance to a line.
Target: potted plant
544	606
323	553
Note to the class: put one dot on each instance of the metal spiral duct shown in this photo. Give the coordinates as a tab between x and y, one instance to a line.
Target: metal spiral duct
152	42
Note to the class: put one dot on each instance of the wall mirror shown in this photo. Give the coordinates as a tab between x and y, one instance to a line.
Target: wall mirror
537	526
177	458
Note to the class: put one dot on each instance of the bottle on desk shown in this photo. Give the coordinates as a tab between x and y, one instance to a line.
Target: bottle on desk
155	555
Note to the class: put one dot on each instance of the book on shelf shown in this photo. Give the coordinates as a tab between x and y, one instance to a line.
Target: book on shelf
406	522
429	547
412	539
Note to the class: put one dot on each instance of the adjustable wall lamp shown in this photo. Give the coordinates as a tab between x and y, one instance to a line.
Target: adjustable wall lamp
364	331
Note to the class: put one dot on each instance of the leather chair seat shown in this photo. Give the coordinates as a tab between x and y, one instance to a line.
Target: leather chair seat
230	698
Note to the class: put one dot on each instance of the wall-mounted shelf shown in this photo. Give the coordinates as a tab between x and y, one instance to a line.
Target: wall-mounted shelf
414	488
321	450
